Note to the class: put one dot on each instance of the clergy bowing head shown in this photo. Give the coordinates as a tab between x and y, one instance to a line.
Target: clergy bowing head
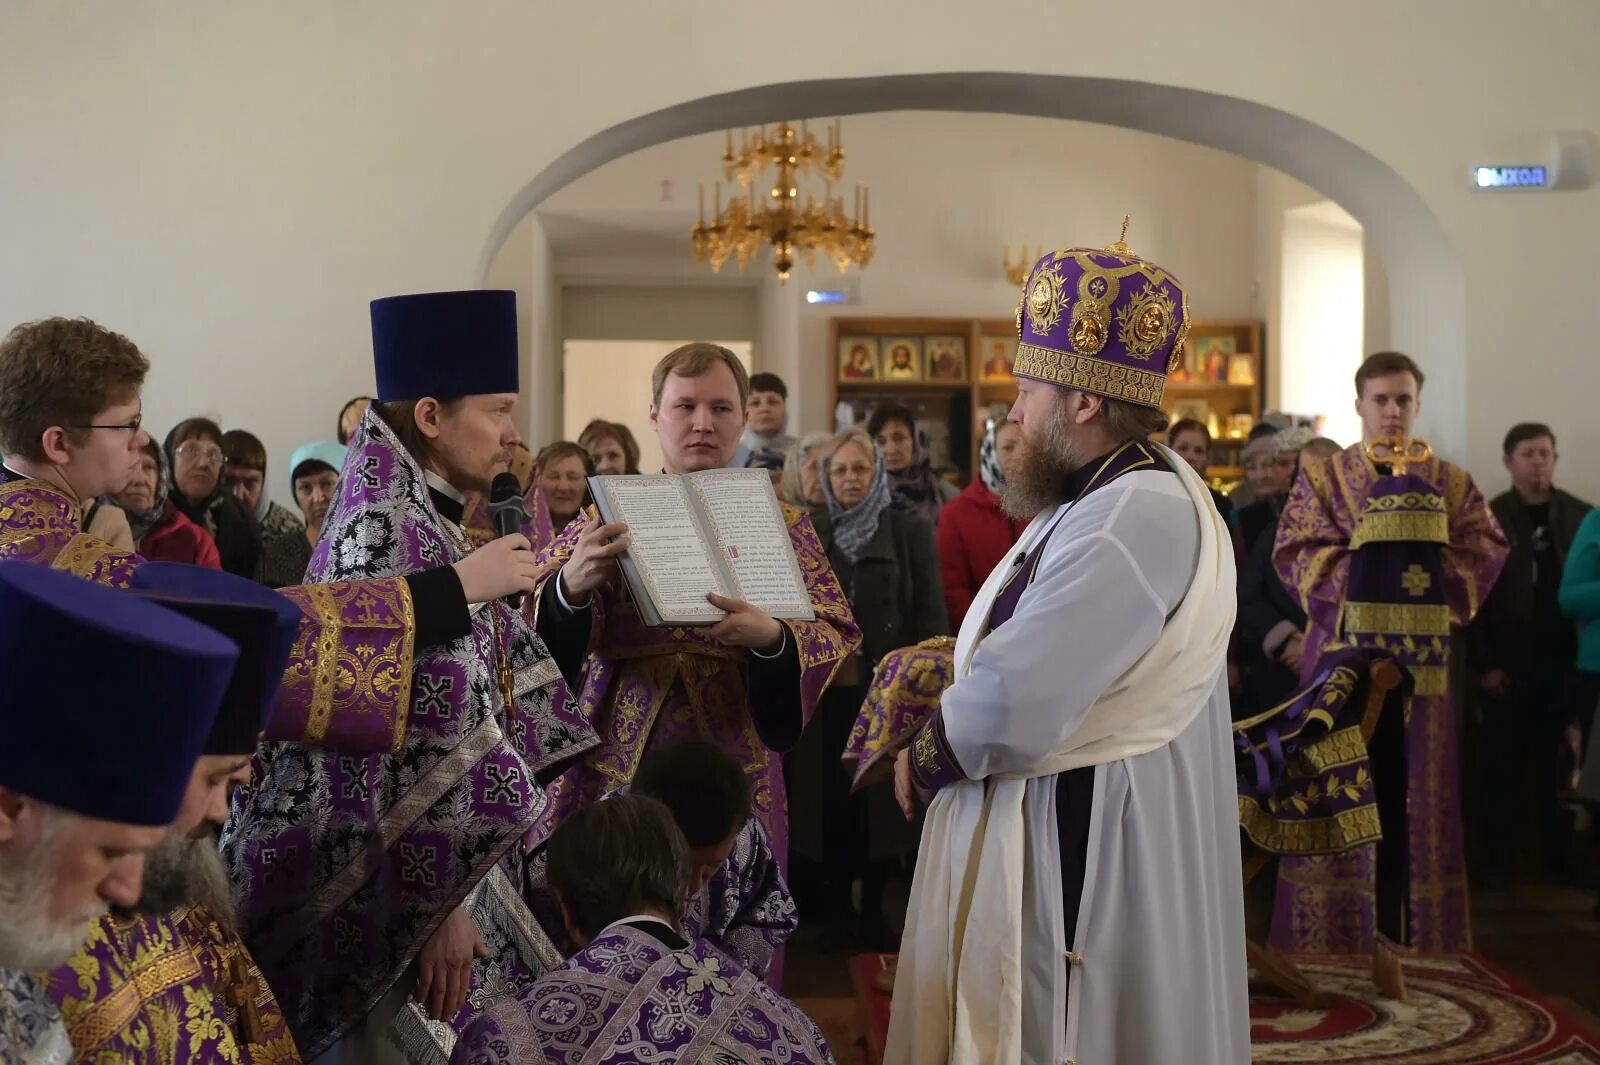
70	411
447	374
106	701
1098	332
708	793
698	394
617	858
186	867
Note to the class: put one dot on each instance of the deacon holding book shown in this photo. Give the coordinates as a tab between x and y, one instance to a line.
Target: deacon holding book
724	669
383	893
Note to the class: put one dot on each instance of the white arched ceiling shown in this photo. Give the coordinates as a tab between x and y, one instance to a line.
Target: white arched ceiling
1426	287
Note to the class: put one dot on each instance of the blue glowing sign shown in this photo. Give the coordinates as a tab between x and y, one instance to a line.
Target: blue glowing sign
1510	177
825	295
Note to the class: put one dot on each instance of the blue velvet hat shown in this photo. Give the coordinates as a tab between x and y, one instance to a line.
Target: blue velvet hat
262	622
445	344
106	699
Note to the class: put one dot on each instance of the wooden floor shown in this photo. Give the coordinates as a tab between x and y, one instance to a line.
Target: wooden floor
1545	936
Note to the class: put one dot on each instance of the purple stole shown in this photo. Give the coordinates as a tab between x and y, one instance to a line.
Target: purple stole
628	996
160	990
345	866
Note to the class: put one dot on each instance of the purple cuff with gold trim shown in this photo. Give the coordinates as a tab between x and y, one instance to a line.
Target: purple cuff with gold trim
933	763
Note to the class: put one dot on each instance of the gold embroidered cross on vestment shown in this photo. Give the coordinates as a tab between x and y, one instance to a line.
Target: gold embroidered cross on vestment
1416	580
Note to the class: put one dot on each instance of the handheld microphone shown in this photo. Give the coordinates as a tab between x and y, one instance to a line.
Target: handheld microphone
506	508
508	513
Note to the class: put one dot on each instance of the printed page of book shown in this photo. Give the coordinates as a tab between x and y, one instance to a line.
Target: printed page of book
752	540
669	553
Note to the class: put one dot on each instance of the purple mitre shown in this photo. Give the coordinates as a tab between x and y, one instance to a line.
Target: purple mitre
1103	321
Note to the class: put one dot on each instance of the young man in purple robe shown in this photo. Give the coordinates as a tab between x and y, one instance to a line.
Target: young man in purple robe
637	989
75	829
1346	519
749	683
383	895
211	1004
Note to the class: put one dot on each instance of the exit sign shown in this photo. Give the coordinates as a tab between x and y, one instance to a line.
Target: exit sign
1510	177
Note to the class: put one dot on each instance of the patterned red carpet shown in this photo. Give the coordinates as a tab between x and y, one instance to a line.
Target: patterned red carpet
1462	1011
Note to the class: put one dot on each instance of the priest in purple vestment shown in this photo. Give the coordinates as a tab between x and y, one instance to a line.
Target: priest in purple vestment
1345	512
750	683
383	895
637	989
211	1004
91	773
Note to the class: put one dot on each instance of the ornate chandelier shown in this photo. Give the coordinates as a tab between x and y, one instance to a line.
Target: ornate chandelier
769	212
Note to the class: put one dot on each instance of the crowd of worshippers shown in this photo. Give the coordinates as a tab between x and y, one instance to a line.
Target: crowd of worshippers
431	849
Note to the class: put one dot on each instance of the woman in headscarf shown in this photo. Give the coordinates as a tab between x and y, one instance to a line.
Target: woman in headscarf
887	566
161	532
975	532
194	454
801	484
913	484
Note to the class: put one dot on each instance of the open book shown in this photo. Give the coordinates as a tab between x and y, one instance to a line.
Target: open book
714	531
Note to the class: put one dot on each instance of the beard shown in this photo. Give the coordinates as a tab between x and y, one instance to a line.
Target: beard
30	939
1035	480
187	872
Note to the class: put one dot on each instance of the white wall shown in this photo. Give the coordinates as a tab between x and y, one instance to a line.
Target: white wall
1322	317
949	191
231	183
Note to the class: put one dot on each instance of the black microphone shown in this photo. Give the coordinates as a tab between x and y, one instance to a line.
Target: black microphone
506	508
508	513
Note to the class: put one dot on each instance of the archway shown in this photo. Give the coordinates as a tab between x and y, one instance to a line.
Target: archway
1426	285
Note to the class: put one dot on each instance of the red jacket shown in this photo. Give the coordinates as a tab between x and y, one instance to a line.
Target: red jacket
177	539
973	535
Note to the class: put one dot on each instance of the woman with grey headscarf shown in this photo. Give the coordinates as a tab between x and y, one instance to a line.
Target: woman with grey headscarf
887	566
1270	463
801	483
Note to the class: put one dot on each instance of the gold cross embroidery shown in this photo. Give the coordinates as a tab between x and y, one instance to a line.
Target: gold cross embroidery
1416	580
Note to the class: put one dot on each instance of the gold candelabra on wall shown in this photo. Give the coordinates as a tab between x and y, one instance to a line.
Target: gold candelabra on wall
1018	273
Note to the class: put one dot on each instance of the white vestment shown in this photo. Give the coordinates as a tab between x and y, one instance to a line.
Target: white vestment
1114	658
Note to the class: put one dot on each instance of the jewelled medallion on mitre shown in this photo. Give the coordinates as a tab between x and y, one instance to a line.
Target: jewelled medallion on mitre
1144	323
1047	299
